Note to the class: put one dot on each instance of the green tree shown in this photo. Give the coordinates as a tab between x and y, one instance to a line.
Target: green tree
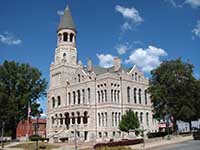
20	85
129	121
173	90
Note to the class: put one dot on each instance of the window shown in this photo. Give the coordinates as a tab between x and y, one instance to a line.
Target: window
85	135
61	119
64	54
141	117
71	37
105	92
79	78
112	95
79	96
128	94
85	117
52	120
147	118
135	76
145	96
102	96
135	95
140	98
115	95
118	95
65	36
113	119
106	119
102	117
83	91
78	118
99	118
69	98
98	93
59	101
59	37
74	97
89	94
73	118
53	102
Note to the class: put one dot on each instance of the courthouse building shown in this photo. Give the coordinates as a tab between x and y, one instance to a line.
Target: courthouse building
90	99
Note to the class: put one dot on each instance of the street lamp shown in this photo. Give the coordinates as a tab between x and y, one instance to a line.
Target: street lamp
2	132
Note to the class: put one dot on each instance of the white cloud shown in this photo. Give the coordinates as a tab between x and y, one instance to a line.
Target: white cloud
60	12
9	39
131	15
196	30
193	3
146	59
105	60
122	48
174	4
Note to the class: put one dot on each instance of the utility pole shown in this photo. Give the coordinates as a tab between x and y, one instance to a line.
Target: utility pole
2	132
36	131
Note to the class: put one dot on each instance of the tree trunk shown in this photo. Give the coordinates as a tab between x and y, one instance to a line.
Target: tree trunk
190	125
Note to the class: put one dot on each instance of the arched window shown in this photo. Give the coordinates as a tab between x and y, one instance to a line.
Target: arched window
105	92
140	98
67	120
145	96
98	93
59	101
78	118
61	119
141	117
106	119
59	37
73	118
147	118
135	95
83	92
102	96
64	54
99	118
52	120
74	97
102	118
69	98
85	117
118	92
115	95
79	96
128	94
53	102
79	78
116	119
112	95
135	76
113	118
89	96
71	37
65	37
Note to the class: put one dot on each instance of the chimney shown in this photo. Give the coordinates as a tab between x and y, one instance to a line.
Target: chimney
117	64
89	65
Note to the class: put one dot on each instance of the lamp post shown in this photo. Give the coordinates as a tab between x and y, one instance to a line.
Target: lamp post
2	132
75	137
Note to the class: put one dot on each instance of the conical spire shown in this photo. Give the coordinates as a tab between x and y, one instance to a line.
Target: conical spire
66	21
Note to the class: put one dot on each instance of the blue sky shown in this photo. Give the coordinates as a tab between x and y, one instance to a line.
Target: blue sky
140	32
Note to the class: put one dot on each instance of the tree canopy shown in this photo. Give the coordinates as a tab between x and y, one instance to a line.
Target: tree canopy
129	121
20	86
175	91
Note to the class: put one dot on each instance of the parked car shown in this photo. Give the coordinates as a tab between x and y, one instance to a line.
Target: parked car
196	135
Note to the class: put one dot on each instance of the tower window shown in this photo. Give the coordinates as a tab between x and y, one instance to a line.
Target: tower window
64	54
65	36
59	37
71	37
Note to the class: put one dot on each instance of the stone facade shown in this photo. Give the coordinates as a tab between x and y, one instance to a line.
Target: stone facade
91	100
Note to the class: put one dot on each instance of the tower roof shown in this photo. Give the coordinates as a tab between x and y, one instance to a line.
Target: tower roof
66	21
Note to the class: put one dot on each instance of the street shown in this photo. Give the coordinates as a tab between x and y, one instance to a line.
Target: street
187	145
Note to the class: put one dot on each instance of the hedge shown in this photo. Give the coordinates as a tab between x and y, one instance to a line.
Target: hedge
118	143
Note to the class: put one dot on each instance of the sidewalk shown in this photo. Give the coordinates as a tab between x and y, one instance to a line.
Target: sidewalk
160	142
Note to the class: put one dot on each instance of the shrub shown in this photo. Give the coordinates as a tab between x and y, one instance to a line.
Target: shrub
34	138
118	143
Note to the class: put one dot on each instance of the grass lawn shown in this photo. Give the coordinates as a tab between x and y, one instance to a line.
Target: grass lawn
31	146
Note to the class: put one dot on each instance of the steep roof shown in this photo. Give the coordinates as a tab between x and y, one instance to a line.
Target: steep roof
66	21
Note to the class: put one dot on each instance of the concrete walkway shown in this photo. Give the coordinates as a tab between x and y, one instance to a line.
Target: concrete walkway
160	142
